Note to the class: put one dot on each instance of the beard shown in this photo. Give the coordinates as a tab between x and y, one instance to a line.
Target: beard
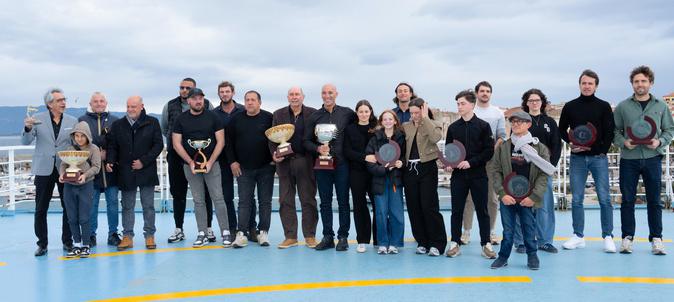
197	109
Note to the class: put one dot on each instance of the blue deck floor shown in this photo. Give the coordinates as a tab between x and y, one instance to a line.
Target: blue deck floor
249	274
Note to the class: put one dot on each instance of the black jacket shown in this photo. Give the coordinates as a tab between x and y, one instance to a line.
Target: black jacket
379	173
127	143
591	109
282	116
340	116
476	136
100	124
545	129
354	146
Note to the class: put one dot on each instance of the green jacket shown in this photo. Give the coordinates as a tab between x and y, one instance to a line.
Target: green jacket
501	166
629	111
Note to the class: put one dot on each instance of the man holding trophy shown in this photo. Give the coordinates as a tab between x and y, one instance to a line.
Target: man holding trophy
198	138
323	137
644	130
589	123
50	131
294	168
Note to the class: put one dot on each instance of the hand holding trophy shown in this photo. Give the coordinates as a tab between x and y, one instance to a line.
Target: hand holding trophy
324	134
73	159
199	158
281	134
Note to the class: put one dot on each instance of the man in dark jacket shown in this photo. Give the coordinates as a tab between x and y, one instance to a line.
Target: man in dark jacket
100	121
295	173
134	144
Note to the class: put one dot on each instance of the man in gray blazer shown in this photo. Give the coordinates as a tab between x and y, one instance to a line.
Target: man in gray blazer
50	131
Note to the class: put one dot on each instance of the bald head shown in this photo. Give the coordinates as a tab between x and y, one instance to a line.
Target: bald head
329	95
134	106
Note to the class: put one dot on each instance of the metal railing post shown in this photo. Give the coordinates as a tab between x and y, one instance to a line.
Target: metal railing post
11	210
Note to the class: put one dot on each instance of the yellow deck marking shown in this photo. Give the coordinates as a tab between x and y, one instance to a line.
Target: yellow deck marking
643	280
3	263
319	285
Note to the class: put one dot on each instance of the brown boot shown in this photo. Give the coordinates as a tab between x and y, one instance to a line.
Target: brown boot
127	243
149	243
311	242
289	242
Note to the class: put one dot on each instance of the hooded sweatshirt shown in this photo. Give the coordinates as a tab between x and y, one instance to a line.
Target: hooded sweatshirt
92	165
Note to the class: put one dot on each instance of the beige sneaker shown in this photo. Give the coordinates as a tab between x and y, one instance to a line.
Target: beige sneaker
240	241
453	250
311	242
465	237
287	243
488	251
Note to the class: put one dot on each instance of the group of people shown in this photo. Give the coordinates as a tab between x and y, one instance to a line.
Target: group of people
209	145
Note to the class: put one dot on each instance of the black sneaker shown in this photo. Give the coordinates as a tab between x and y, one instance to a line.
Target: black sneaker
201	240
521	249
327	242
533	263
499	263
73	253
252	235
210	235
41	251
342	244
548	248
114	239
92	240
84	252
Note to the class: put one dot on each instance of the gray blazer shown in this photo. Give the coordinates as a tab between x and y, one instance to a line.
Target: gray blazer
44	157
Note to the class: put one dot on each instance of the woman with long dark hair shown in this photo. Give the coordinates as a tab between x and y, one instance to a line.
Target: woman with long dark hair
357	135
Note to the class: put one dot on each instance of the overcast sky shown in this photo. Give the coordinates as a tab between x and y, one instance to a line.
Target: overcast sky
364	47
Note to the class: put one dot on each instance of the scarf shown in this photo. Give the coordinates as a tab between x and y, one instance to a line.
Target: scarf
530	155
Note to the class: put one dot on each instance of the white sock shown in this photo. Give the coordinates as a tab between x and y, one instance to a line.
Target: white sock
77	244
225	232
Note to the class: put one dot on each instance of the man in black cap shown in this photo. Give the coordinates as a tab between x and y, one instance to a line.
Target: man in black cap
198	138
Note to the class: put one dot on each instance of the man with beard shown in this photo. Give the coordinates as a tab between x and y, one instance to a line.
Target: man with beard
404	94
200	124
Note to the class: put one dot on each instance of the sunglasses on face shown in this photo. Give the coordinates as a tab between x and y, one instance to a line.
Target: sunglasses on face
185	88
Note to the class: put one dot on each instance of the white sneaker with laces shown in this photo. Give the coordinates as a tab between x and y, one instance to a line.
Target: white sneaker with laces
488	251
263	238
392	250
421	250
433	252
240	241
609	244
382	250
453	250
626	245
574	242
657	247
361	248
465	237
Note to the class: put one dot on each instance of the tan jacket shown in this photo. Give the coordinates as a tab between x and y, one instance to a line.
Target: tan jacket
428	134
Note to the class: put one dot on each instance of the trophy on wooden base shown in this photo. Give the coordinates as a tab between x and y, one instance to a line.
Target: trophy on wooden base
199	158
280	134
73	159
324	134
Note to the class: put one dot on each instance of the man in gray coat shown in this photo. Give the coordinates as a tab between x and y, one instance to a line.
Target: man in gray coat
50	131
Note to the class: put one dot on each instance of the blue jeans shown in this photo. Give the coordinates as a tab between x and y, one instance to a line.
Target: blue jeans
528	228
112	209
545	220
325	179
77	199
390	217
579	167
651	171
263	179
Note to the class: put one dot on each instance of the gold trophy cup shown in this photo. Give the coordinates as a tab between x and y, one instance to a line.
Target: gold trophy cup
281	134
199	166
73	159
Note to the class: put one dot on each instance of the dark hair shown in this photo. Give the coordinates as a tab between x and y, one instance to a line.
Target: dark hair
414	96
528	93
469	95
372	119
259	98
485	84
645	70
226	84
589	73
190	80
419	102
397	127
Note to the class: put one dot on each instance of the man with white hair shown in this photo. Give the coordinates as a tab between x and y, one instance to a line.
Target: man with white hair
100	121
50	131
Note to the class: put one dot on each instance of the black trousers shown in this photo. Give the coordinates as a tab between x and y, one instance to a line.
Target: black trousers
477	186
361	183
228	193
423	206
44	188
178	184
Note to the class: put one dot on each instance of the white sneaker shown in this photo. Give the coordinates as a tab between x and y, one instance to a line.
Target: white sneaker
392	250
488	251
493	239
626	245
658	247
609	245
453	250
421	250
465	237
433	252
240	241
177	235
263	238
361	248
574	242
382	250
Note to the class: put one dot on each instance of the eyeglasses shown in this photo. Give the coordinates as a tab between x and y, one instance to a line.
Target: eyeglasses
534	101
185	88
60	100
518	122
